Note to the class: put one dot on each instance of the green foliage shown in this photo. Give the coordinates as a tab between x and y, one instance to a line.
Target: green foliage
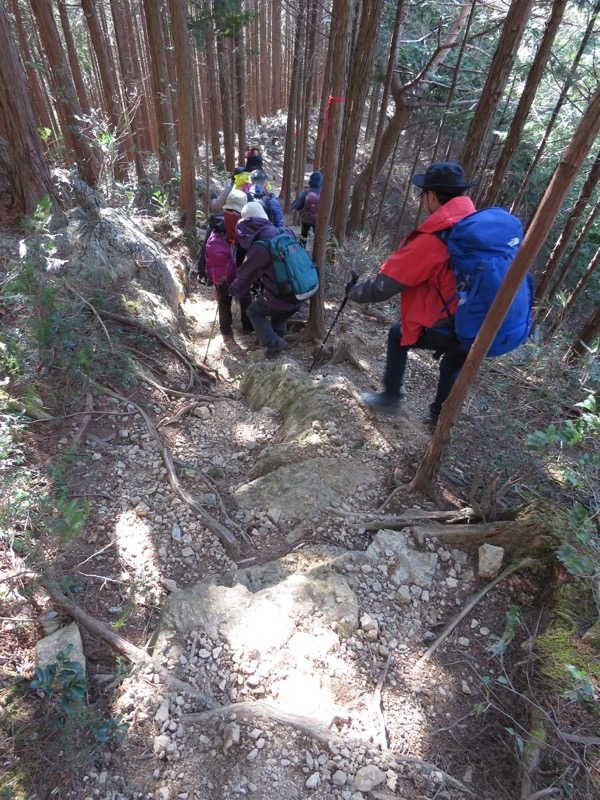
583	690
578	437
63	680
498	648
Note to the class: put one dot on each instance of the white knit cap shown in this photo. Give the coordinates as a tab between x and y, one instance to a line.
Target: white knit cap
254	209
236	200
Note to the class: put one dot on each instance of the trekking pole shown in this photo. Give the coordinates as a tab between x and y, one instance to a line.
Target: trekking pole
212	331
349	286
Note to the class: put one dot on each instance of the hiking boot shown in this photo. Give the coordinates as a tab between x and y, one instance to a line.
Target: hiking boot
274	347
227	335
431	420
383	402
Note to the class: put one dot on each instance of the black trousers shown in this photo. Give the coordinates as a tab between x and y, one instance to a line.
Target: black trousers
224	300
451	362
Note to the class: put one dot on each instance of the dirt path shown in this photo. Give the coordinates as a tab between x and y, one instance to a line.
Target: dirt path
384	727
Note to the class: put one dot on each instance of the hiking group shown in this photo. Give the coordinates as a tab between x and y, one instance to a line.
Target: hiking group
447	272
248	254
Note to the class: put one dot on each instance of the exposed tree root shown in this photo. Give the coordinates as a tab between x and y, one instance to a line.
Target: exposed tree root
89	407
376	704
206	371
345	352
229	542
532	751
526	562
132	653
94	312
315	730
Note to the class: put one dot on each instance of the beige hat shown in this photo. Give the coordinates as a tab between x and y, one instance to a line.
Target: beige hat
236	200
254	209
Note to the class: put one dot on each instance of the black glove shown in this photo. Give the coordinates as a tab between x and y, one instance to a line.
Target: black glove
351	282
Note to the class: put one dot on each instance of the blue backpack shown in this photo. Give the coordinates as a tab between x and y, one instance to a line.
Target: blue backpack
295	273
482	247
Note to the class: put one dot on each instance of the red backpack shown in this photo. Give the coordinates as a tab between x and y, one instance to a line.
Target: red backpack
220	259
311	208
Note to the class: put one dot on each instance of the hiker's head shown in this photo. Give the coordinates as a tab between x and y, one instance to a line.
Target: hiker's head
441	182
316	180
253	209
236	200
258	176
254	161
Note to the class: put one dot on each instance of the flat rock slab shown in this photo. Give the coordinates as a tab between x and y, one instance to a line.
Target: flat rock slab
49	647
299	490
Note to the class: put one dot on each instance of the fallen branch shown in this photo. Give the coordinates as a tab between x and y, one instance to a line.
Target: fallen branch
526	562
132	653
206	371
94	312
376	703
229	542
551	791
315	730
532	749
89	407
408	517
178	415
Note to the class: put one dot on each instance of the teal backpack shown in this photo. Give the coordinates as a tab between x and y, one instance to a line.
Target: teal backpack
296	274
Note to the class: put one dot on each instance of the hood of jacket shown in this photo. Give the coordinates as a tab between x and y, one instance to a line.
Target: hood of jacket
254	228
315	181
257	192
449	214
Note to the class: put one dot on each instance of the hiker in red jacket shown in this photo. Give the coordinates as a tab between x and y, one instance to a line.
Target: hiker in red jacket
419	271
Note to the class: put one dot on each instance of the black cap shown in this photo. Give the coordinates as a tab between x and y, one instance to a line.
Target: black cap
443	175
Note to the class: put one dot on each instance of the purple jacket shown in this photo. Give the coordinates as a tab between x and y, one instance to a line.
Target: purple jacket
257	264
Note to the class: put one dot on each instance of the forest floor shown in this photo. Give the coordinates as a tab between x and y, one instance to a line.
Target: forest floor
458	726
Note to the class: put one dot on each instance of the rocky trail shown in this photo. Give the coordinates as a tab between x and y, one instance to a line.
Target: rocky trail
251	532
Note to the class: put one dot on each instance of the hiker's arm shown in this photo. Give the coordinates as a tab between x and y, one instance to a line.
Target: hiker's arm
277	213
376	289
299	201
251	270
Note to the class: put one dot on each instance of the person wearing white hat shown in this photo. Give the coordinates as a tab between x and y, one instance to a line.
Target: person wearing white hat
269	312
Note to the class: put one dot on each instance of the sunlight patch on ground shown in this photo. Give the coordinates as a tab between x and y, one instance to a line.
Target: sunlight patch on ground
133	539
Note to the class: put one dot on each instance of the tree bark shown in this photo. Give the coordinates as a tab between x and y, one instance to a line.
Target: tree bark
564	94
288	156
525	101
582	343
497	78
276	68
398	121
73	59
568	230
39	103
27	169
226	93
185	104
575	251
340	24
558	189
576	293
167	155
133	109
109	88
240	86
66	94
361	64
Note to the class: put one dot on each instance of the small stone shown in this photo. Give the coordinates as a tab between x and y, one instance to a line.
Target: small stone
490	560
313	781
451	583
403	595
96	456
368	777
367	623
162	713
464	687
176	532
202	412
463	641
339	778
484	631
187	552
